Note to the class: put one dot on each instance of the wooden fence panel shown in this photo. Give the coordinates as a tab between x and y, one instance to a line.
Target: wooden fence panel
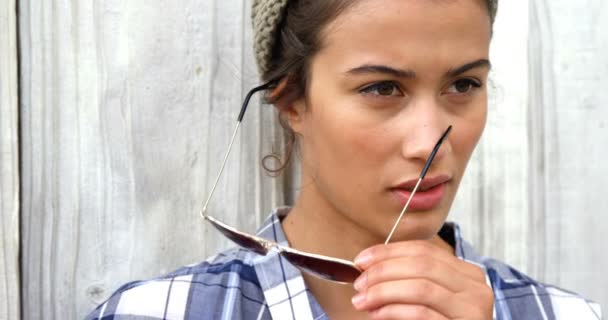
570	48
533	194
127	109
9	164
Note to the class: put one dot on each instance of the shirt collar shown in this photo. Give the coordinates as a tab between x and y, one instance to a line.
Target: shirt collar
283	285
462	248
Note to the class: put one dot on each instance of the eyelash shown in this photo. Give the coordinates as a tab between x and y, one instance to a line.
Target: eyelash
374	87
473	83
370	89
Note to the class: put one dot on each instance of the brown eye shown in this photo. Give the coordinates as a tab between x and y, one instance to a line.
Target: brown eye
464	86
385	89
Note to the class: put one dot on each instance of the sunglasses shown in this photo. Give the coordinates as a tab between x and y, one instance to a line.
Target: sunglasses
324	267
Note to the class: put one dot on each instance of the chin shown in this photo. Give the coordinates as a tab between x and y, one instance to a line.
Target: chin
421	225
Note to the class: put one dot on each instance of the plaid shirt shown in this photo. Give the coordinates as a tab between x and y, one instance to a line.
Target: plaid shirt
239	284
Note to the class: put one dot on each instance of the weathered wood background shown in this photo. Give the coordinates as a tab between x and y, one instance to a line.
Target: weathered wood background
9	163
534	194
125	109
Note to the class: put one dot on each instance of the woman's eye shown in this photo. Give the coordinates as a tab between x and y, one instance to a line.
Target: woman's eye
464	86
385	89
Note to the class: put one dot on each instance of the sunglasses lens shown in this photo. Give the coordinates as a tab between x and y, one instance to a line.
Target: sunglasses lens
323	268
242	239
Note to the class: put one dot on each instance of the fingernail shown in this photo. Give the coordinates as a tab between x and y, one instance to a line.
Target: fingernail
363	258
358	299
361	282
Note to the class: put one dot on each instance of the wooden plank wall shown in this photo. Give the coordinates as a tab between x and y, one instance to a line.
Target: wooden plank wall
127	107
9	164
533	194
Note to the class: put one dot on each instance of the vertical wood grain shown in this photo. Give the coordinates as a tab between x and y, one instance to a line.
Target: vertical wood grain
568	50
127	111
9	165
532	195
491	204
127	108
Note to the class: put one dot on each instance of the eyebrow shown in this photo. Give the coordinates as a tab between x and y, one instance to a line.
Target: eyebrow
368	68
405	73
469	66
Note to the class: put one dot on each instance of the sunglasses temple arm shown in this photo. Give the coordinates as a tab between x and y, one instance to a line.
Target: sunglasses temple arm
427	165
390	235
236	130
217	179
249	95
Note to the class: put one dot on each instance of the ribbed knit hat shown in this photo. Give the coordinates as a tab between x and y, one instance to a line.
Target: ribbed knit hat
267	15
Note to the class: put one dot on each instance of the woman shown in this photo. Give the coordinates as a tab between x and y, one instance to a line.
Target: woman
366	88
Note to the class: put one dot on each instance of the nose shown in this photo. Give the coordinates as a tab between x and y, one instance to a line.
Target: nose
429	126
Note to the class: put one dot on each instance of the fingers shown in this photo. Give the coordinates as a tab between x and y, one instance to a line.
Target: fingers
411	292
405	312
417	249
413	268
428	294
421	278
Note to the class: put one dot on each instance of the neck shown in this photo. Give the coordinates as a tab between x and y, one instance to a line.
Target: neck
314	225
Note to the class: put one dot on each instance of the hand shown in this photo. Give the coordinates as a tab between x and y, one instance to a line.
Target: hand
419	280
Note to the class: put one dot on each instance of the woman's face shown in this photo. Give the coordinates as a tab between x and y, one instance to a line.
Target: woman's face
390	77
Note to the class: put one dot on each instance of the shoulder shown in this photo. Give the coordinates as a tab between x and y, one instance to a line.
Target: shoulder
517	296
226	283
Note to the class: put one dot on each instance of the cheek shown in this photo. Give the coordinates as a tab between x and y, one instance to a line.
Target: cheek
350	138
468	133
345	151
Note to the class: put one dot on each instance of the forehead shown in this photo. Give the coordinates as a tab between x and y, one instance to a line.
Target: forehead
409	30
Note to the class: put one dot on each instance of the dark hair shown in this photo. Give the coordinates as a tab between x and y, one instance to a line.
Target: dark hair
299	39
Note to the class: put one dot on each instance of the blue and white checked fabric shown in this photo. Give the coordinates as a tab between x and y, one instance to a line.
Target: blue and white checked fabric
239	284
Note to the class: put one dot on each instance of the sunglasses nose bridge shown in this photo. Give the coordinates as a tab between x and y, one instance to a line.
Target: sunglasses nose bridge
271	246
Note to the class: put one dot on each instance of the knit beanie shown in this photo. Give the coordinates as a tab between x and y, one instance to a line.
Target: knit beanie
267	16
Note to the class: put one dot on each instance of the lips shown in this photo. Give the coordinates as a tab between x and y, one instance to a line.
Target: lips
429	194
427	183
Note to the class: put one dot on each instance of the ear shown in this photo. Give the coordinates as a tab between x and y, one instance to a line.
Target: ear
290	103
295	113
